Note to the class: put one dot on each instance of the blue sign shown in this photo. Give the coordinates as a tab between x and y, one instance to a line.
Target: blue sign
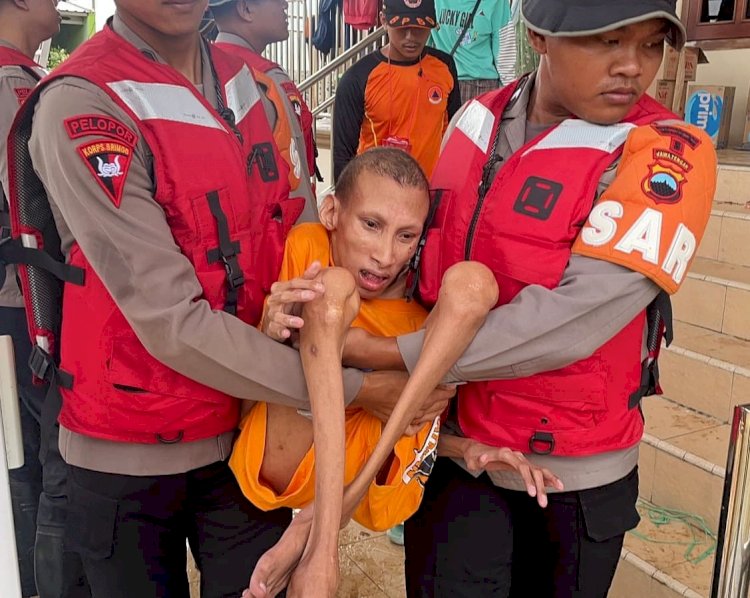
704	110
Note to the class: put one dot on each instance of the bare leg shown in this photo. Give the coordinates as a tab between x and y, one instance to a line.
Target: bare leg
321	342
467	293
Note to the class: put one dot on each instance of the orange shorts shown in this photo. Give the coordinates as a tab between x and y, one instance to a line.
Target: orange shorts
384	505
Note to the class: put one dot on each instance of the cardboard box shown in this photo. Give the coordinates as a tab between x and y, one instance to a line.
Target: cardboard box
693	57
664	94
710	108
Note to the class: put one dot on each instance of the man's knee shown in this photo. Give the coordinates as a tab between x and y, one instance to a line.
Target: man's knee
469	289
340	302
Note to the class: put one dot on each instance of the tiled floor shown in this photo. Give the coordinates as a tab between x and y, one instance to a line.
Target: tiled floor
371	566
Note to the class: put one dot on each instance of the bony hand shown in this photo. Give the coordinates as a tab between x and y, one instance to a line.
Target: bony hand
433	406
481	457
284	304
382	389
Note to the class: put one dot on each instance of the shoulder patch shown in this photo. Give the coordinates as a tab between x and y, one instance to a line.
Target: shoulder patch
666	174
22	93
652	216
109	162
98	124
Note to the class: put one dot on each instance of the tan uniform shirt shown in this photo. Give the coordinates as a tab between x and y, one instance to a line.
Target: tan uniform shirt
12	78
546	329
132	250
279	77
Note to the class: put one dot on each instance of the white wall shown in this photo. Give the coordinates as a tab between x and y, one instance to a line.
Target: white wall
104	9
730	67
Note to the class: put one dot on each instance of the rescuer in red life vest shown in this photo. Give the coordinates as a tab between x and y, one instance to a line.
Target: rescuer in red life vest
145	178
587	199
38	499
246	28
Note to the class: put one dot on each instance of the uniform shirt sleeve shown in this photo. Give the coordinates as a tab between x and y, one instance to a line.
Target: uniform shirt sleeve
132	250
546	329
348	114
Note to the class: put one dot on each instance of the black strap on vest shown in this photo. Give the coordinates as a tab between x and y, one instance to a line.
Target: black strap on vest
263	156
226	252
43	366
659	322
13	252
413	284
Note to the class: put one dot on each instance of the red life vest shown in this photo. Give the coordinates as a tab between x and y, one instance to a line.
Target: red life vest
13	57
523	231
282	131
227	208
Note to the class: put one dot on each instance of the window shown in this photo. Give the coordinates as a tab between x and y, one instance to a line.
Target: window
718	20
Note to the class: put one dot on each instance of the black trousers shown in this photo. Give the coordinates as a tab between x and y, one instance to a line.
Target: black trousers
26	481
131	532
38	489
471	539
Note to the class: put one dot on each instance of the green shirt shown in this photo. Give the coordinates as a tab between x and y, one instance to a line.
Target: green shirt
478	54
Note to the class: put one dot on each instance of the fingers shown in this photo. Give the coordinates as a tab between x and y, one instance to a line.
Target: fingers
312	271
536	479
541	491
285	301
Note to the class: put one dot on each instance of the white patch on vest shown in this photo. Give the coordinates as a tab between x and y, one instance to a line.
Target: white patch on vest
476	123
644	236
679	254
295	158
602	227
576	133
28	240
160	101
43	342
242	93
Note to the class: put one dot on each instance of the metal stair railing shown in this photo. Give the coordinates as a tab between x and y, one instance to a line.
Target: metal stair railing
319	90
318	73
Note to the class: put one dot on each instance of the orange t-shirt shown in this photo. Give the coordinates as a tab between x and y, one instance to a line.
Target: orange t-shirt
377	99
385	504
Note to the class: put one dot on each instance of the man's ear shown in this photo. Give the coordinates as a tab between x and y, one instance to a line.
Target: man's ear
21	4
244	10
329	212
537	41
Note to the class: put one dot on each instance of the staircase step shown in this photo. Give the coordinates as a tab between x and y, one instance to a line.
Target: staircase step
726	236
732	184
706	371
716	295
683	449
655	562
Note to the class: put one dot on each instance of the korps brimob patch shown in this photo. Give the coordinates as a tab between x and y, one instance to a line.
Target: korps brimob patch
109	162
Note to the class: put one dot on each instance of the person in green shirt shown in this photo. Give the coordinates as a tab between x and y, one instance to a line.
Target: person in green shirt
479	34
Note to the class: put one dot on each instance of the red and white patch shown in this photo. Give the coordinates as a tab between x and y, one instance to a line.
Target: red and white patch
109	162
413	3
435	94
22	93
99	125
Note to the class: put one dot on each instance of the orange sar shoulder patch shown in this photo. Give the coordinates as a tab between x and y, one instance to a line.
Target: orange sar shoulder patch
653	215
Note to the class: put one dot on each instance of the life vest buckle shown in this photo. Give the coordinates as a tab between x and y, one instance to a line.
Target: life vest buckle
542	443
